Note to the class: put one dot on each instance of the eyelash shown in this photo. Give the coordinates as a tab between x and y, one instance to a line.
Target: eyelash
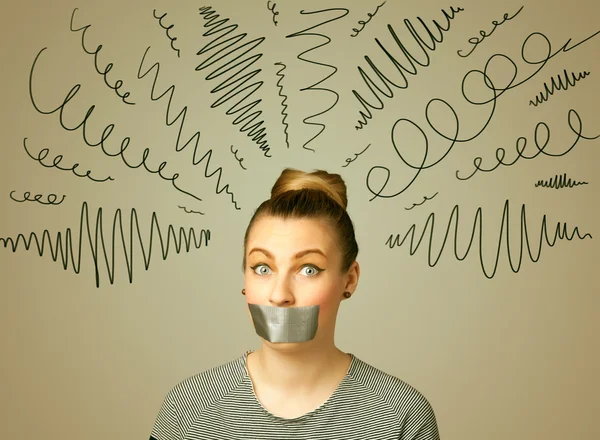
318	269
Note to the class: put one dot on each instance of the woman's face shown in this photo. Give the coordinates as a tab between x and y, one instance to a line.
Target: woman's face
295	263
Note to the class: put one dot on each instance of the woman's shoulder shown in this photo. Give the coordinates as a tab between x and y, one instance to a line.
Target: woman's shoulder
396	392
209	385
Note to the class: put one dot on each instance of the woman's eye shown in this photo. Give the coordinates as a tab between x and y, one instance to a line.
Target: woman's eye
310	271
261	269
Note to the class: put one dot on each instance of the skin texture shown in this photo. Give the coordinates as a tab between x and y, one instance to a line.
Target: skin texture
292	378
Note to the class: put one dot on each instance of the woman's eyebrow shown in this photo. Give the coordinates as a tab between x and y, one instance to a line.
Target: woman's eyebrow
264	251
310	251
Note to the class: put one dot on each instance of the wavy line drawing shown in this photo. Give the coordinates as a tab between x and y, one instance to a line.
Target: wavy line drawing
194	138
70	245
167	29
561	232
410	69
304	33
545	94
52	198
240	160
559	182
284	106
43	153
350	160
189	211
425	198
237	79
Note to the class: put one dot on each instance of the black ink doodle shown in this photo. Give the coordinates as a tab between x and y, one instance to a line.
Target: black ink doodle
105	133
238	159
476	41
559	182
486	82
273	11
43	153
349	160
167	29
283	104
547	92
52	198
70	245
425	198
521	144
108	67
559	233
364	23
236	82
304	33
411	69
195	138
189	211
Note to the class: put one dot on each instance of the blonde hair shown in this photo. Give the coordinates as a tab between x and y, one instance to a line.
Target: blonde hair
319	194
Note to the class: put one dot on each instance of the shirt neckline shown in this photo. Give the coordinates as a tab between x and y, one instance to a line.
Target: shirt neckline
303	417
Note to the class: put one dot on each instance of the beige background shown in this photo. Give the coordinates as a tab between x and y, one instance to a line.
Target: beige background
512	356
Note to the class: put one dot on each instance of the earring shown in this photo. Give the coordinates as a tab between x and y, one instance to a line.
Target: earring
243	291
347	294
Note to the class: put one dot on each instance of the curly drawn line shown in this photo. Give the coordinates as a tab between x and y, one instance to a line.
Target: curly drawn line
195	138
119	83
521	144
71	249
273	11
43	153
237	158
38	198
545	94
364	23
349	161
189	211
411	69
167	29
559	182
235	82
105	133
283	104
303	33
537	54
425	198
562	233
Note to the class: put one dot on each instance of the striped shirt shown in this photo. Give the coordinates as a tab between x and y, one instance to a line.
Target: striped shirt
220	403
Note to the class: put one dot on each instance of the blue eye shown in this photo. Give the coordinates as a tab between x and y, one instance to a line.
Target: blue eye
261	269
310	271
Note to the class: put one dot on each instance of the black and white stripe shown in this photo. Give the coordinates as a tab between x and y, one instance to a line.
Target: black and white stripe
220	403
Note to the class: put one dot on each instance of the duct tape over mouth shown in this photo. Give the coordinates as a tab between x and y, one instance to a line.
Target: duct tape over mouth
285	324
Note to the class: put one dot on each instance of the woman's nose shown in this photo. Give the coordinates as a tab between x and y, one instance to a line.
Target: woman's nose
282	293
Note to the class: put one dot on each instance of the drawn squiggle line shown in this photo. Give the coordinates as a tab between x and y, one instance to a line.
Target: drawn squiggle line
349	160
285	97
545	94
167	29
237	158
558	182
273	11
425	198
560	232
194	138
43	153
52	198
403	70
70	247
189	211
235	82
303	33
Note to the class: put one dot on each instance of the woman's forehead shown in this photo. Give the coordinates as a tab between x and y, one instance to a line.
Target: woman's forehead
291	235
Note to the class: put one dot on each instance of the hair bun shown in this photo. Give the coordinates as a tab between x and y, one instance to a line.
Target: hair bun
293	180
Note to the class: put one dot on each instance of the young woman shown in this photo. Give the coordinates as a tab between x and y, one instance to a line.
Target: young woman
299	264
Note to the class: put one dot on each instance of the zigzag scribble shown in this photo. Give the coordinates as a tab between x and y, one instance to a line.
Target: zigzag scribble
283	104
305	32
71	248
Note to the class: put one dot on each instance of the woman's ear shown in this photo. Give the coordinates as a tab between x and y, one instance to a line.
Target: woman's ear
352	277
